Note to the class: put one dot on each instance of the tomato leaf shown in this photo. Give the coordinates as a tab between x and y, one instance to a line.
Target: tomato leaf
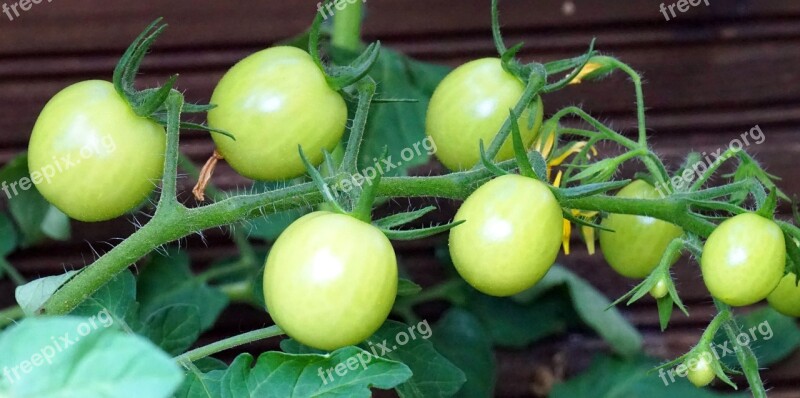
398	126
278	374
419	233
433	374
612	377
406	287
461	338
85	360
174	328
117	297
396	220
37	219
167	280
32	296
590	305
583	191
513	324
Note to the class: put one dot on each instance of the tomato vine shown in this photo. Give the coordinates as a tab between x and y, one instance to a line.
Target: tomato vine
586	184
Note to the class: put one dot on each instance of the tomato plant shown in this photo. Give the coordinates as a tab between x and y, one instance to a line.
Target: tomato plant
634	245
510	237
330	280
470	105
96	158
786	297
272	101
744	259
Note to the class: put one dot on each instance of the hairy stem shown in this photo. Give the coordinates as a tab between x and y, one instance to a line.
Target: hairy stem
747	359
232	342
347	26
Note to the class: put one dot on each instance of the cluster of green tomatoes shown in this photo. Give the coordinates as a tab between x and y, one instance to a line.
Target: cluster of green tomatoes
331	279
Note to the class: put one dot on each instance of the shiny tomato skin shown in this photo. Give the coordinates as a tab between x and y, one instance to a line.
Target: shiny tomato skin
330	280
700	370
103	159
786	297
510	237
637	244
272	101
471	104
744	259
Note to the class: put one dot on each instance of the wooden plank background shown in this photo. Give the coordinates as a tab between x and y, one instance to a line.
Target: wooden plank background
712	73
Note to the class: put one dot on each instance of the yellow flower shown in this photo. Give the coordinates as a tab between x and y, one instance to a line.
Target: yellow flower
545	146
587	69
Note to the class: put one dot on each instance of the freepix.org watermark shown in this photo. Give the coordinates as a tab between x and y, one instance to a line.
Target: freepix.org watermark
338	4
681	5
362	359
744	339
709	160
12	11
382	166
58	165
58	345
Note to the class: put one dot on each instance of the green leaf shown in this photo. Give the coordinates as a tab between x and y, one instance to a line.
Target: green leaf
32	296
36	218
516	325
461	338
406	287
174	328
55	224
117	298
8	236
434	375
398	126
664	311
167	280
583	191
614	378
396	220
772	336
282	375
419	233
70	357
590	305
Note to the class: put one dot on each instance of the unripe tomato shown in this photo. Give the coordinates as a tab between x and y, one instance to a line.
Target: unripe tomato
273	101
786	297
701	372
659	290
511	235
744	259
637	244
471	104
91	156
330	280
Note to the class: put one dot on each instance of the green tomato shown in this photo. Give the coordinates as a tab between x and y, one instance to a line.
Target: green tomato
744	259
637	244
511	235
91	156
660	289
786	297
330	280
273	101
701	371
472	103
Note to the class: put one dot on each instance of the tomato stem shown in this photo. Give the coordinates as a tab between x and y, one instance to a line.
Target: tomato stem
347	26
226	344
